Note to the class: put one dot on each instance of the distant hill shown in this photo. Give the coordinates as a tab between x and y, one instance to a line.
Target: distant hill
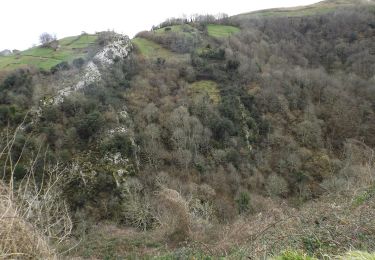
5	53
314	9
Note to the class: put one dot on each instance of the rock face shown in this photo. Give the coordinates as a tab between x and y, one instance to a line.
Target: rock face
119	48
119	165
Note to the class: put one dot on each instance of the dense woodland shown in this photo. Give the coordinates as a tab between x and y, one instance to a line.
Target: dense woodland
237	133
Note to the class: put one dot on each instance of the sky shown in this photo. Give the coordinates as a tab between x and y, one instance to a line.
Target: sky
22	21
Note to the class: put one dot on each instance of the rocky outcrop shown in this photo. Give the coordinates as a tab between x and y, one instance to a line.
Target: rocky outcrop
119	48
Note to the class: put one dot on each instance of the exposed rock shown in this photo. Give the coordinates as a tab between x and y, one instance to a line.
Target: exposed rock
118	49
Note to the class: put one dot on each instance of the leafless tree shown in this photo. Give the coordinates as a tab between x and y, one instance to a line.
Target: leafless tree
46	39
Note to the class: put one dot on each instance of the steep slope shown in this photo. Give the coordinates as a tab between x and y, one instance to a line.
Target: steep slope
226	137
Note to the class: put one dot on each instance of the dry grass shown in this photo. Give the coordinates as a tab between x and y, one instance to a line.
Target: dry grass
172	213
33	214
18	238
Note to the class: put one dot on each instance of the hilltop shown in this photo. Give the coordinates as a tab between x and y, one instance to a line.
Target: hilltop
69	48
322	7
210	137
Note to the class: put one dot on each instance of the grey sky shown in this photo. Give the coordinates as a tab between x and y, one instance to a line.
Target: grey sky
22	21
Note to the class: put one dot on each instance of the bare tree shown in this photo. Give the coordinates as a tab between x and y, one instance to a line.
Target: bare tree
47	39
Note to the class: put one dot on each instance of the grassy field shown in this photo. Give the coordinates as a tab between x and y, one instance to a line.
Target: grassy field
219	31
45	58
206	87
152	50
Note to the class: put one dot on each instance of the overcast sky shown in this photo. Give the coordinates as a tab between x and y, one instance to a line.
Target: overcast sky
22	21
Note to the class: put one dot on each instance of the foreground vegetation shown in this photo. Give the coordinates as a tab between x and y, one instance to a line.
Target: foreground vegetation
229	137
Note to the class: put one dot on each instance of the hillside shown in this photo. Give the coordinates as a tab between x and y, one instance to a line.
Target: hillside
70	48
245	137
322	7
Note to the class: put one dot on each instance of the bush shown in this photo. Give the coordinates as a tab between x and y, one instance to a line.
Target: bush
215	54
243	202
232	65
61	66
106	37
119	143
47	39
173	215
6	114
17	88
276	185
89	125
136	207
78	63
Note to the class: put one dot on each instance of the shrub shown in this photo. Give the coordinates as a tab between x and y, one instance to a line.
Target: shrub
17	88
309	134
232	65
47	39
119	143
136	207
61	66
5	115
243	202
78	63
173	215
89	125
215	54
276	185
106	37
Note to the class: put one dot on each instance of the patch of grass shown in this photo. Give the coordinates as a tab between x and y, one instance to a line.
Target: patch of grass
153	50
82	41
293	255
357	255
45	58
206	87
185	253
67	40
37	51
220	31
150	49
364	196
24	61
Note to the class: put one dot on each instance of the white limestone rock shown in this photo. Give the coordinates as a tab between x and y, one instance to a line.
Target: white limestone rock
118	49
